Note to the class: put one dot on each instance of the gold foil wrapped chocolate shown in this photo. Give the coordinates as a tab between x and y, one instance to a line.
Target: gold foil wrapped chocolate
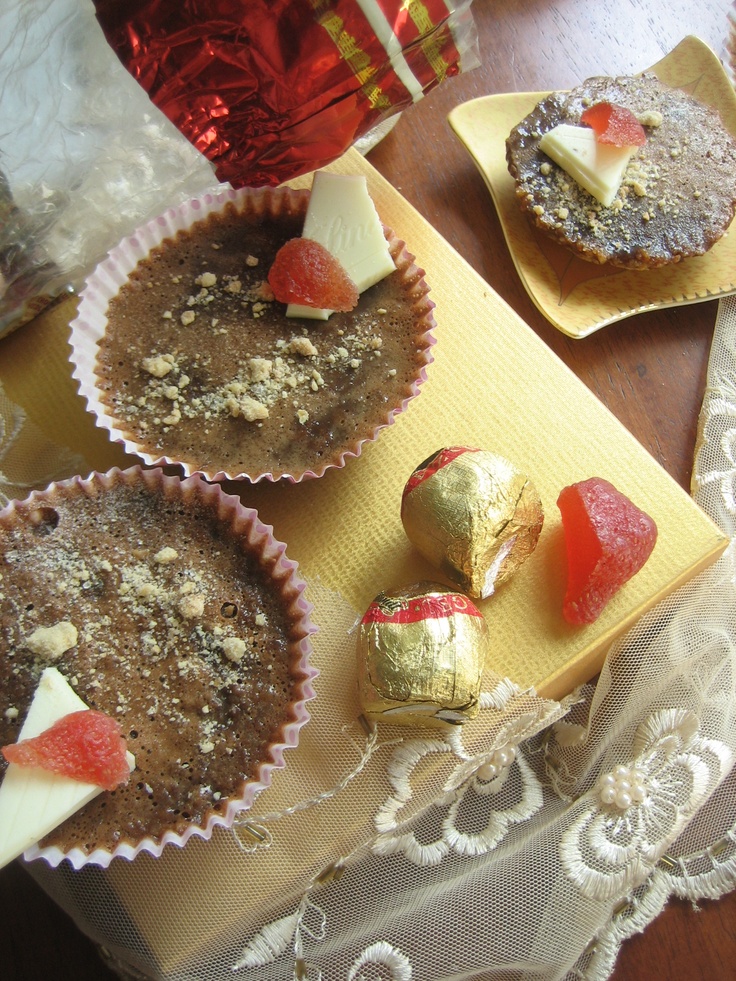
473	515
421	653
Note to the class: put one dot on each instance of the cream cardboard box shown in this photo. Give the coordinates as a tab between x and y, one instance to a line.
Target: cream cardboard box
493	384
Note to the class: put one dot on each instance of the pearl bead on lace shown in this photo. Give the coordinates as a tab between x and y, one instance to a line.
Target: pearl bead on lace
501	758
622	787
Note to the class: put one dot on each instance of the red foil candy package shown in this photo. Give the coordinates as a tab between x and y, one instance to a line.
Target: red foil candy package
268	90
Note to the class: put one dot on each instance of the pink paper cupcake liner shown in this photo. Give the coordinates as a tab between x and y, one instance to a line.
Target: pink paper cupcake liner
112	273
243	525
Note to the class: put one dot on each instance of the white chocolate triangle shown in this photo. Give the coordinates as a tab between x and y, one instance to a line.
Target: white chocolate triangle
597	167
34	801
342	217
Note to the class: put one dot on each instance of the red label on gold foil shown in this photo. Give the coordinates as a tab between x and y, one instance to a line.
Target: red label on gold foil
435	606
435	463
421	651
477	520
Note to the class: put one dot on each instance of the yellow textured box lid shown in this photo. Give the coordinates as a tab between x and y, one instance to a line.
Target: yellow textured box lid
495	385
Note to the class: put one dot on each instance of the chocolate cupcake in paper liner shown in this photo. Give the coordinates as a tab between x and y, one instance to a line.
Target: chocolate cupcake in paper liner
188	625
185	357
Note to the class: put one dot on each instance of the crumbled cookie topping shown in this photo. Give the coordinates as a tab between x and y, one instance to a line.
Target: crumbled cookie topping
53	641
294	364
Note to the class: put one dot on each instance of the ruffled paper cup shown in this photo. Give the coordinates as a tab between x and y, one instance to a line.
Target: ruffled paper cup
256	564
369	364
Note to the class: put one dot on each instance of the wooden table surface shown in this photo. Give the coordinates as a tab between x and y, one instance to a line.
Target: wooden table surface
649	370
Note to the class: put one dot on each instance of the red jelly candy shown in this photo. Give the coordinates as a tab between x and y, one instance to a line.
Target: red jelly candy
85	746
614	125
607	539
305	272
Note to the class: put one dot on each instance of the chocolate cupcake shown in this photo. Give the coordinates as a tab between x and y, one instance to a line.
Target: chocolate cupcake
677	196
183	620
185	357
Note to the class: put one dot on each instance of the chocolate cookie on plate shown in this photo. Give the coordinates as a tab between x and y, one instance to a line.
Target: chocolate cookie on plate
670	198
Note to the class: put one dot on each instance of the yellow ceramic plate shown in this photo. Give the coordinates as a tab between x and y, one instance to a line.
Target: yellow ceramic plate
579	297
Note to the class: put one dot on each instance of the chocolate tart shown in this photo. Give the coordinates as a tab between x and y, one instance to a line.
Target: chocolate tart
183	354
678	194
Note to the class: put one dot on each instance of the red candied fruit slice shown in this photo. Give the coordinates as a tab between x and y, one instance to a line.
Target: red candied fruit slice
85	746
614	125
304	272
607	538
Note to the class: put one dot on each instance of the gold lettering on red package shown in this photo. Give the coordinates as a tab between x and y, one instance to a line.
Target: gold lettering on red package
473	515
421	653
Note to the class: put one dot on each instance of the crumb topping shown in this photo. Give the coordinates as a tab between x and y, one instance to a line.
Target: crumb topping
53	641
293	366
